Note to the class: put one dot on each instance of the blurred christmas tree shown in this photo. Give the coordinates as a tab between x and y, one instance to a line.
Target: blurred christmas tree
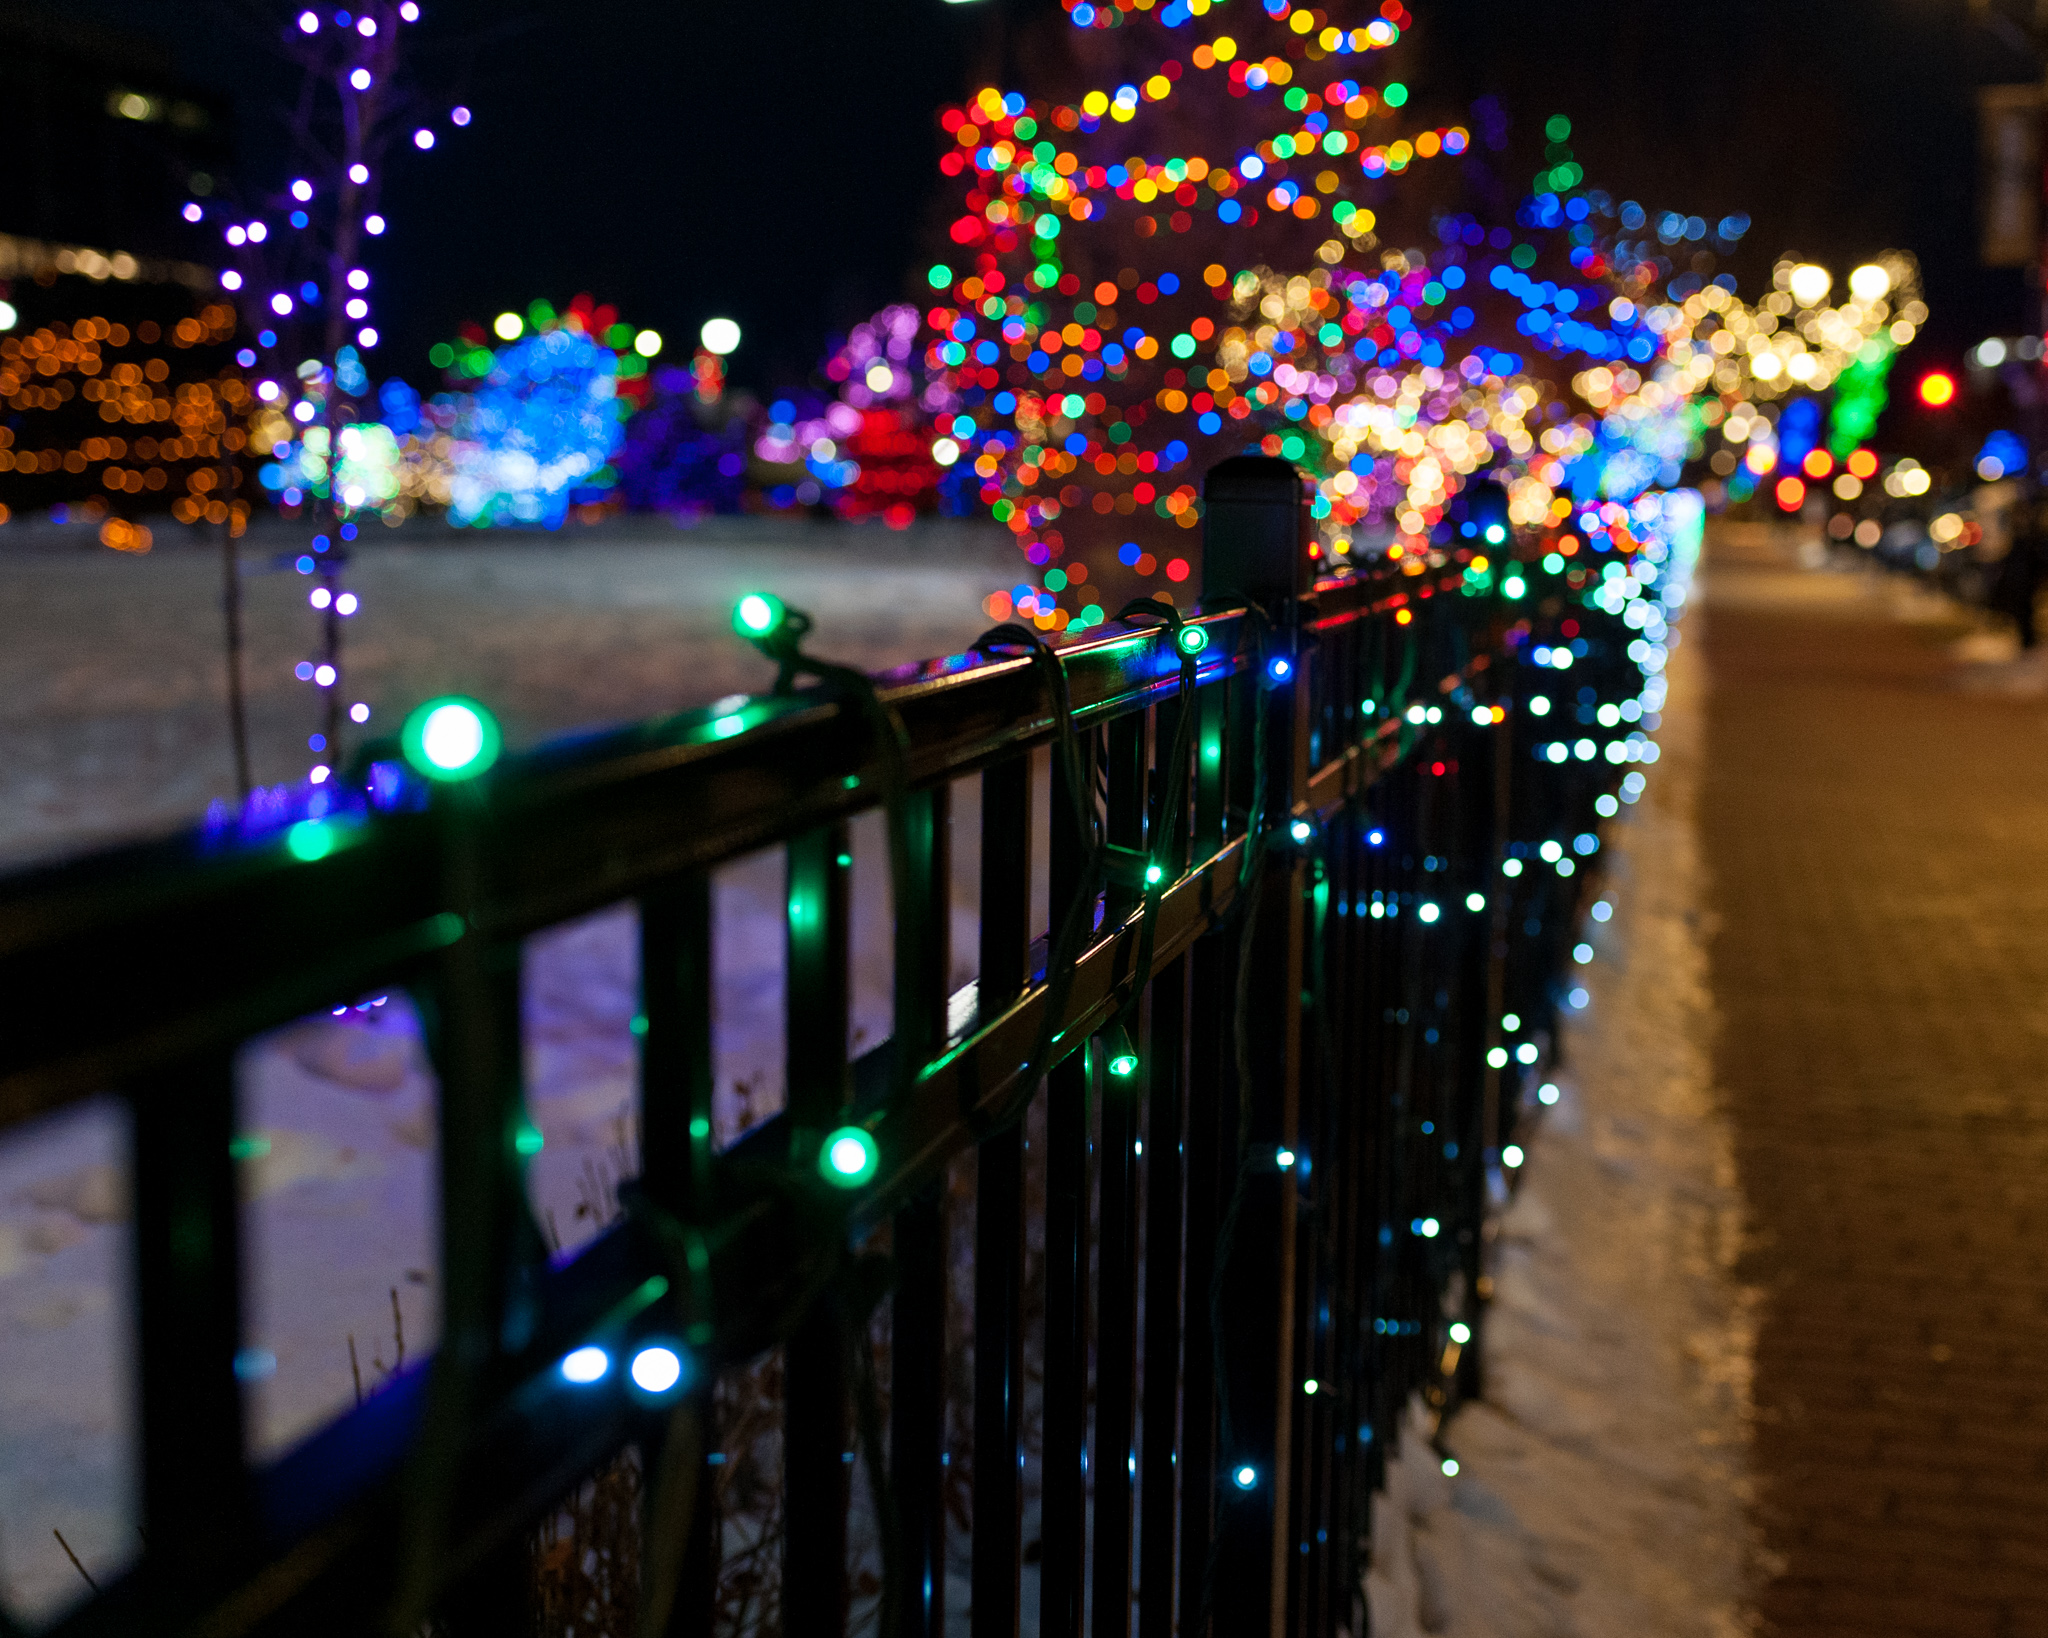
892	474
533	426
1206	234
686	449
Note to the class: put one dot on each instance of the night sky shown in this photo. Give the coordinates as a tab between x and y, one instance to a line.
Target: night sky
773	161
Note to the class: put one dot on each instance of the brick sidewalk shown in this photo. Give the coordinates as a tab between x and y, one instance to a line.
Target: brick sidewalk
1877	845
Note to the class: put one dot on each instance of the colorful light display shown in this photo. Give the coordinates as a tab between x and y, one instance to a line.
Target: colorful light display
1117	312
872	453
1732	359
685	454
533	426
800	454
118	392
538	433
470	357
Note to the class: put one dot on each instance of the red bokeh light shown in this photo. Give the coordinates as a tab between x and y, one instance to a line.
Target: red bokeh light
1791	493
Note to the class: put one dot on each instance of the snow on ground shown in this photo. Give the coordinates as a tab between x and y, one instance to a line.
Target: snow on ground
112	684
112	724
1602	1482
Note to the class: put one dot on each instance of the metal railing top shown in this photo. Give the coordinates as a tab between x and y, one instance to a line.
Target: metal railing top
130	957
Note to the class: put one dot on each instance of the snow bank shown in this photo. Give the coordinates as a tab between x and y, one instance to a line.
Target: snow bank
1601	1483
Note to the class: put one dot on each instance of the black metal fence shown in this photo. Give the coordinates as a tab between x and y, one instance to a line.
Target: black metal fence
1270	1050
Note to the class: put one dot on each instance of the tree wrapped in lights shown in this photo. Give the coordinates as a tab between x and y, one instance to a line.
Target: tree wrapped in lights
1206	240
299	248
798	453
532	426
686	447
538	433
868	452
684	457
886	456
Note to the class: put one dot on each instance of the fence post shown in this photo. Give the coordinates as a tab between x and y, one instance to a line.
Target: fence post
999	1231
1255	551
816	1457
195	1502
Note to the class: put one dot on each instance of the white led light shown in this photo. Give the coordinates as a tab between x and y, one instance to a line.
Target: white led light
656	1369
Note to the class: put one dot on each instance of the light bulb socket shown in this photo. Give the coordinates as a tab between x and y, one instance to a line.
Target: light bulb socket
1120	1058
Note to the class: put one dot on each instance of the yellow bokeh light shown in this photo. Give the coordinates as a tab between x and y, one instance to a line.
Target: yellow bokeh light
1810	283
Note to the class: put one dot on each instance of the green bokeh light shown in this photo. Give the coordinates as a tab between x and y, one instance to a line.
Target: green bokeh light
310	839
758	614
451	739
848	1157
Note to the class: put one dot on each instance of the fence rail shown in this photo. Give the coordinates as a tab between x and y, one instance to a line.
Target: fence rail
1273	1104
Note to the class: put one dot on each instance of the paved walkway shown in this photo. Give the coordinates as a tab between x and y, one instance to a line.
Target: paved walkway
1875	834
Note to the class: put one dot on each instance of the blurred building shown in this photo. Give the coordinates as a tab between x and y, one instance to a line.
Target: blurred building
119	396
103	143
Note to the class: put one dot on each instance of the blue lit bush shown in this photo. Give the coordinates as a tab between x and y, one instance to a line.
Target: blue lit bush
539	433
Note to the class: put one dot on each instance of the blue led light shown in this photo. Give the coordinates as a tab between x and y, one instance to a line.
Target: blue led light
585	1365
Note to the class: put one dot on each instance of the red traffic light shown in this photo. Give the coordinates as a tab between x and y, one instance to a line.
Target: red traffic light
1937	389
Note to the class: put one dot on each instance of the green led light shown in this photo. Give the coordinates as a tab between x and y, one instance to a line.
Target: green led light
310	839
848	1158
1192	639
1124	1065
528	1140
1154	875
758	614
451	739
